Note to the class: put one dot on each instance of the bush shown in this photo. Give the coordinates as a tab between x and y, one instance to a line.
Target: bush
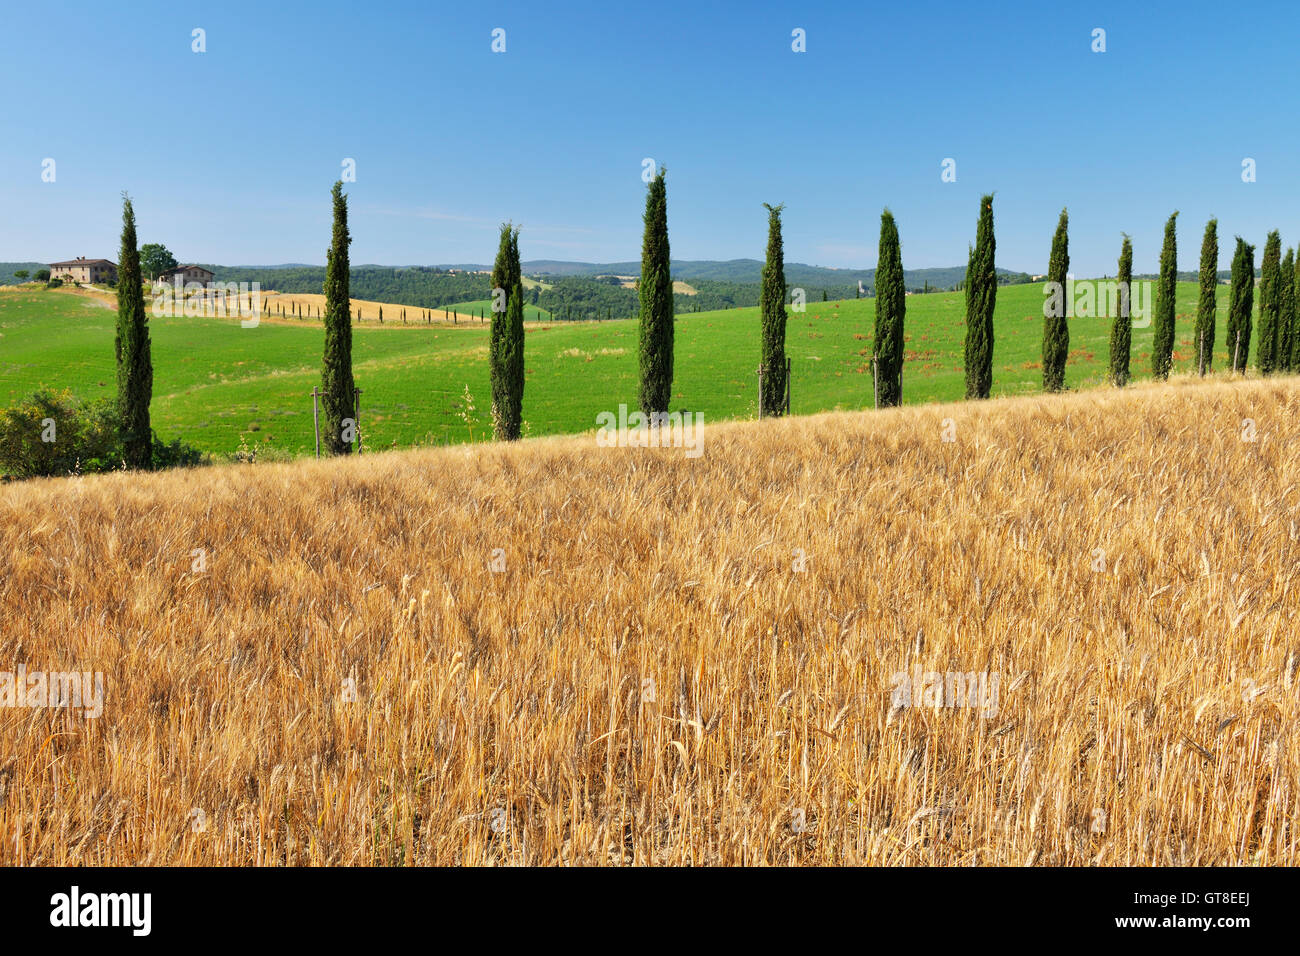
259	451
54	283
48	434
42	275
175	454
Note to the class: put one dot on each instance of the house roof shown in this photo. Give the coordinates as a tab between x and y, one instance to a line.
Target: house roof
84	262
183	268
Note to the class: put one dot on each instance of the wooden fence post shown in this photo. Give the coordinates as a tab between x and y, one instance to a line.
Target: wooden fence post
787	385
315	417
356	414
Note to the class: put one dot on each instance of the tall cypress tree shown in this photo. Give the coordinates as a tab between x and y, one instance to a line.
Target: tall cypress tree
981	295
1286	314
891	306
1269	274
772	310
133	349
506	342
1162	346
1240	302
338	401
1121	329
655	291
1206	305
1056	330
1295	320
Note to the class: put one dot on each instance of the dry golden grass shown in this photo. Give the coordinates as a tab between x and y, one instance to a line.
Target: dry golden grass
369	309
1162	692
312	306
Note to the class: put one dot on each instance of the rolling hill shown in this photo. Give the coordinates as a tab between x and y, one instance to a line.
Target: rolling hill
554	653
215	381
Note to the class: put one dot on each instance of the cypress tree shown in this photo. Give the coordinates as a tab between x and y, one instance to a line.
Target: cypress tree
1269	274
1286	313
772	310
1056	331
1295	319
134	354
1162	346
891	307
655	291
1206	305
1121	329
981	294
1240	302
506	339
339	399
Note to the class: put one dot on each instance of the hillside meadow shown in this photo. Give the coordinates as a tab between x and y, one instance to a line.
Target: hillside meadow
215	381
557	653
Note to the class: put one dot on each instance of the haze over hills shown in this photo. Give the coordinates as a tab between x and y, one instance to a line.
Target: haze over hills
738	270
731	270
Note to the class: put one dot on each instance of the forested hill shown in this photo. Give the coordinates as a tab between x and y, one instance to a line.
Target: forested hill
749	271
590	290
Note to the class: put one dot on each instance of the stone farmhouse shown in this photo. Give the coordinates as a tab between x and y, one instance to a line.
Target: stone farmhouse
187	275
82	269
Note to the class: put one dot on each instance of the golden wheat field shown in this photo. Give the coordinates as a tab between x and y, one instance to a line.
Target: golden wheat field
684	660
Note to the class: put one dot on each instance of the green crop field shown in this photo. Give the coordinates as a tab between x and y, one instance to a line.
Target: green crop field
215	381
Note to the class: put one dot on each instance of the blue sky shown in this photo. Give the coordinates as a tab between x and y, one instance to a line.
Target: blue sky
230	154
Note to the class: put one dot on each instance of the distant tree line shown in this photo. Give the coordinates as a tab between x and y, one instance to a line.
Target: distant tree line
419	286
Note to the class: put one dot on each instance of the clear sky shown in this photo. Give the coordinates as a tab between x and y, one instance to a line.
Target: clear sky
229	154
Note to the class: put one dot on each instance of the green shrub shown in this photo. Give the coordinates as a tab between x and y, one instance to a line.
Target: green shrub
259	451
54	283
175	454
48	434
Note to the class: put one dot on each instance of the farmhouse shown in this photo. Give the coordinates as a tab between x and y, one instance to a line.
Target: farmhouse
187	274
82	269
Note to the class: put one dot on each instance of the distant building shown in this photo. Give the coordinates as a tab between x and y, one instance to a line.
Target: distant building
187	275
82	269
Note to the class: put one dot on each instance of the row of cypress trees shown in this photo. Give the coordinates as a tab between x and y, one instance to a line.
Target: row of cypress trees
1278	350
1279	325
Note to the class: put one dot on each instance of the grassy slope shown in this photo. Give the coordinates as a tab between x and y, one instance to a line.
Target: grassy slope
484	307
214	380
1145	713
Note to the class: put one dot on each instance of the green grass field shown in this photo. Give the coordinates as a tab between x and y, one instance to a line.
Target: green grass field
484	307
215	381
